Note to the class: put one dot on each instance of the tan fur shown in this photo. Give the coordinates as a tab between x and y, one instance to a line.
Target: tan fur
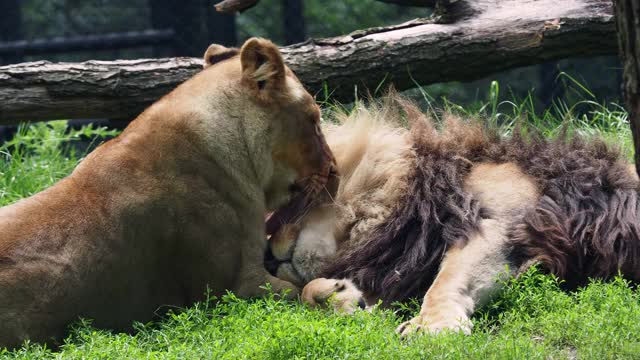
373	153
632	170
479	207
468	275
502	188
171	207
466	279
342	294
375	158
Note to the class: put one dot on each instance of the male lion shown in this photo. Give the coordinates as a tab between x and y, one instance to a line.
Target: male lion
171	207
448	211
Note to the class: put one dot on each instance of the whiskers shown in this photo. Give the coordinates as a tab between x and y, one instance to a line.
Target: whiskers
315	190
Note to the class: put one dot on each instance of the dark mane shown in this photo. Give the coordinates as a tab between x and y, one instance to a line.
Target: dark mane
586	223
401	258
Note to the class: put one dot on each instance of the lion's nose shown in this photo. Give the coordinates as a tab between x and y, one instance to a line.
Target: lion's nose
270	262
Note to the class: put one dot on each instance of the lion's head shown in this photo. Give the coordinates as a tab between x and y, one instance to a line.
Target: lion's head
271	113
374	156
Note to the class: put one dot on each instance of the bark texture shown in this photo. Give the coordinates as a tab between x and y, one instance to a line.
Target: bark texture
628	23
235	6
94	89
500	34
427	3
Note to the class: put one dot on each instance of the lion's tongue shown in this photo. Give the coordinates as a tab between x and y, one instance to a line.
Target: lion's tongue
287	214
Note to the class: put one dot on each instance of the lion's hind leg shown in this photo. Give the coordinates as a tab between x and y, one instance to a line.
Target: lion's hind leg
468	277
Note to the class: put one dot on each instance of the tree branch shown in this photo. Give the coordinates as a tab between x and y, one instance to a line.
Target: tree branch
425	3
507	34
235	6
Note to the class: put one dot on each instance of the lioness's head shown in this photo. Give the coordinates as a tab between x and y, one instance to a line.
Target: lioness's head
274	118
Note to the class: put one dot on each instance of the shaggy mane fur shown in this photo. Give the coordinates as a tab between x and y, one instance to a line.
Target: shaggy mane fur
375	159
586	223
400	257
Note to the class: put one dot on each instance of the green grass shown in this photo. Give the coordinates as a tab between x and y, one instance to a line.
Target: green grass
587	117
531	319
39	155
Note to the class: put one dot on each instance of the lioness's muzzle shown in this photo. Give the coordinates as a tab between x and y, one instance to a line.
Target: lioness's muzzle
316	192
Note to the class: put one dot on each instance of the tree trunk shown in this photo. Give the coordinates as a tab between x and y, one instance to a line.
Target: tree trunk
405	55
294	27
10	27
235	6
628	24
426	3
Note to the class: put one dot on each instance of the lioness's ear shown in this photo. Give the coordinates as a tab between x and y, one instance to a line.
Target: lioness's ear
216	53
262	63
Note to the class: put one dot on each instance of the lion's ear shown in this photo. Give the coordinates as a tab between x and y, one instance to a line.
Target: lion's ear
262	63
216	53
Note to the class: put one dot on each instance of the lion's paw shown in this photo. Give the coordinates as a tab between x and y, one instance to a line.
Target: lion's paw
412	326
421	325
341	294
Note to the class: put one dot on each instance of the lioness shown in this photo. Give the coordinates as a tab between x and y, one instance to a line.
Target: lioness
448	211
172	206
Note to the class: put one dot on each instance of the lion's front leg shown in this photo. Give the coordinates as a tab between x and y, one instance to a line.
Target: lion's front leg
468	277
341	294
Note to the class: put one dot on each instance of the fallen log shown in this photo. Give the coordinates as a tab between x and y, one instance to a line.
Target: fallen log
501	34
236	6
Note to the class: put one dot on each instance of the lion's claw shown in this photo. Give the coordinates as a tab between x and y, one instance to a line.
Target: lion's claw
420	325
